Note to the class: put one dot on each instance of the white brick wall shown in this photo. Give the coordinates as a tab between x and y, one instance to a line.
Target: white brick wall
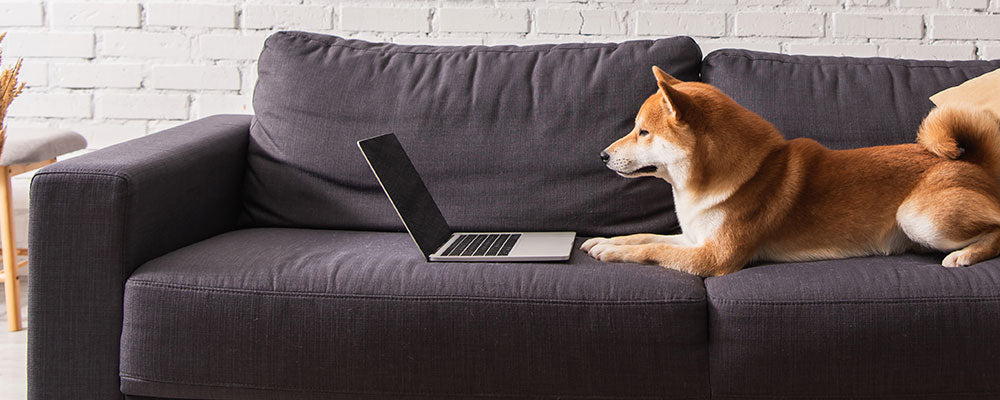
119	69
95	14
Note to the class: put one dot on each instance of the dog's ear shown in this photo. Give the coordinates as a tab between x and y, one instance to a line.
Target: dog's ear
678	105
675	99
664	77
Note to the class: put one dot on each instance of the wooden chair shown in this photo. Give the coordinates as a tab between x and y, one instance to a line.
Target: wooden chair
25	150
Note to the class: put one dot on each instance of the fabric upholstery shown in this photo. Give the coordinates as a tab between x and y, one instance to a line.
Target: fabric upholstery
505	137
842	102
296	313
28	145
95	218
901	327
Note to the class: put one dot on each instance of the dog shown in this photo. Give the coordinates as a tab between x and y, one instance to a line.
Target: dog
743	193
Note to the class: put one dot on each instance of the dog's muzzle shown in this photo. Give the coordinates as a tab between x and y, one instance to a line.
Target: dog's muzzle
605	157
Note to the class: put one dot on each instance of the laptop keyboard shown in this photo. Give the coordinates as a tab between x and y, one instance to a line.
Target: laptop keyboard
486	244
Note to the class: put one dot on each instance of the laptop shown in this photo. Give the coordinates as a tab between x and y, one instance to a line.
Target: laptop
427	227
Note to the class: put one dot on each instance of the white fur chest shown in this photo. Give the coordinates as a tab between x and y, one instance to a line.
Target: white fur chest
699	217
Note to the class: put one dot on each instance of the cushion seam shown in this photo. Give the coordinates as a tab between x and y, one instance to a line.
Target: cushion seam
919	300
96	172
460	49
845	397
886	61
429	298
246	386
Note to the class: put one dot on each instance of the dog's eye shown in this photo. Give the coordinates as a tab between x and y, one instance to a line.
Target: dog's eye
643	132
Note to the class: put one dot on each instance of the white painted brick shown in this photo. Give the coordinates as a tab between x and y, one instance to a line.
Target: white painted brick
969	4
935	51
482	20
385	19
824	2
66	105
822	49
767	2
587	22
716	2
779	24
20	14
670	23
103	134
878	26
211	104
103	75
199	15
667	1
965	27
141	106
287	16
96	14
440	41
990	52
558	21
230	47
32	73
602	22
145	45
868	3
162	125
195	77
248	78
49	44
710	45
916	3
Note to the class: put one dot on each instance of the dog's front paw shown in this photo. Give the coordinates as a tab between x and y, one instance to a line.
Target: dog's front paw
608	252
590	243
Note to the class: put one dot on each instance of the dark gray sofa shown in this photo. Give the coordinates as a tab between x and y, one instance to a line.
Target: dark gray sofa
240	257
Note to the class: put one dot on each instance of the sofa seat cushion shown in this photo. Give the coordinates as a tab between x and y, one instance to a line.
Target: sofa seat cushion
345	314
900	327
515	131
842	102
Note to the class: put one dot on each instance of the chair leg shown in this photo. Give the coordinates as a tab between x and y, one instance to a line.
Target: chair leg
10	284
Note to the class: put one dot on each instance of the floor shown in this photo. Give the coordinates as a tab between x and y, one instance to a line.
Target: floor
13	352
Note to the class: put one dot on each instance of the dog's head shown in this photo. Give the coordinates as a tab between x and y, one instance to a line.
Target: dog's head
666	132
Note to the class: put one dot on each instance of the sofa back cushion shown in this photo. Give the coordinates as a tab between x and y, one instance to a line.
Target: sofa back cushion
842	102
505	137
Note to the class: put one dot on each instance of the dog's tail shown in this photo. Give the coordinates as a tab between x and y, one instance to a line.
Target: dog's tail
963	132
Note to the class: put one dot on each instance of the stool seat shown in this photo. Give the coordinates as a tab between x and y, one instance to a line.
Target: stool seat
29	145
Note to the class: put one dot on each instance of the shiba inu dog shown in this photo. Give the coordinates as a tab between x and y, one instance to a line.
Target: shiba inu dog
743	193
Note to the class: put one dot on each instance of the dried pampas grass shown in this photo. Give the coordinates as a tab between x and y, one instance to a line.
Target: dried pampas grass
9	89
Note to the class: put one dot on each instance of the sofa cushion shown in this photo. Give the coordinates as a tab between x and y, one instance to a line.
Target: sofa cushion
842	102
901	327
344	314
505	137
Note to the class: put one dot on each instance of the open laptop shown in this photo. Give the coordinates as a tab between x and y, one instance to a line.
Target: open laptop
427	227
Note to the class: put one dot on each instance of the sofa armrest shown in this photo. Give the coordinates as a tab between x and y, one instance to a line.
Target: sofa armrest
97	217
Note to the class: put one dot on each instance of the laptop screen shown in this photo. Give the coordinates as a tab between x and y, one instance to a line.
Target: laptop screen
406	192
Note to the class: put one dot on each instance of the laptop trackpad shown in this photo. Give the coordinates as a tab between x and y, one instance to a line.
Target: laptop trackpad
543	244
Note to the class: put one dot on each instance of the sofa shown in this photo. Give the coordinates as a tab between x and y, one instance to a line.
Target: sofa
256	257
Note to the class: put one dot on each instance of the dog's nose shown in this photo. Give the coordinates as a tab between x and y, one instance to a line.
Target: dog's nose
605	157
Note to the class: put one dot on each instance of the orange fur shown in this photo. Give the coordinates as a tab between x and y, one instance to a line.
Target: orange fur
744	193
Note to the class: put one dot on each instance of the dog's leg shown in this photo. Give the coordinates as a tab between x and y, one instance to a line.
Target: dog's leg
705	260
986	247
639	238
958	220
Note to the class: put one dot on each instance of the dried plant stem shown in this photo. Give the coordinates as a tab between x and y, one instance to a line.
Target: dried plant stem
9	89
